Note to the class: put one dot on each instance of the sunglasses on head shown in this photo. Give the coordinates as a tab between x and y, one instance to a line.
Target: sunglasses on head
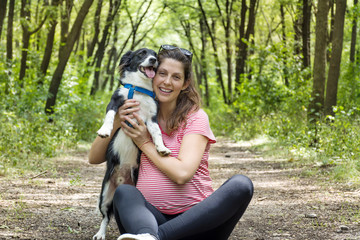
186	52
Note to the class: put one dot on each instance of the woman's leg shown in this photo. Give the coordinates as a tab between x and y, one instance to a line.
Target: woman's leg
216	215
133	213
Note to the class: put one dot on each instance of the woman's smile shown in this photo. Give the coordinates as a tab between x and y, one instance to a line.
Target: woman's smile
165	90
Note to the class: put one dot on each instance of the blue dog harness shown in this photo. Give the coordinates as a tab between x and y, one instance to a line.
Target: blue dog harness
132	89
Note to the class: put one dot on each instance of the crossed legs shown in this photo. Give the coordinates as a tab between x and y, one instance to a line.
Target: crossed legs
213	218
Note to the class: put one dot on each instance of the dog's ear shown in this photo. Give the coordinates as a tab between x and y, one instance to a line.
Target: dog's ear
125	59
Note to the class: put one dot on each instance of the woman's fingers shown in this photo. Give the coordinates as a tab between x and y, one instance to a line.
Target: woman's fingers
130	103
139	119
128	130
128	108
138	132
132	110
131	121
128	112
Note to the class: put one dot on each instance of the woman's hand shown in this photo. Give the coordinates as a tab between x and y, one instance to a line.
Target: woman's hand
139	133
127	109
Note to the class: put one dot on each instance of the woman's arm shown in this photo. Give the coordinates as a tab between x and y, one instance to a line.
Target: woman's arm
181	169
99	146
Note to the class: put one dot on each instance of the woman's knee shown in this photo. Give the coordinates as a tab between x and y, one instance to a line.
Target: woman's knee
123	192
242	185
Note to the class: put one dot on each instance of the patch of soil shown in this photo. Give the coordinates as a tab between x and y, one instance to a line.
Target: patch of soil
60	203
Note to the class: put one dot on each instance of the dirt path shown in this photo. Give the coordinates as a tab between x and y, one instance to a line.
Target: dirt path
60	203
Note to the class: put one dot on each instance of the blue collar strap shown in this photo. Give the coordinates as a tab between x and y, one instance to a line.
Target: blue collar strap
138	89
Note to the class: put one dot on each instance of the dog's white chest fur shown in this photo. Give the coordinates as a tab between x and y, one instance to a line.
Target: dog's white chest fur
123	145
147	104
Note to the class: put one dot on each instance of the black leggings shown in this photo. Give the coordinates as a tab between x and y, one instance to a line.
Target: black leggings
213	218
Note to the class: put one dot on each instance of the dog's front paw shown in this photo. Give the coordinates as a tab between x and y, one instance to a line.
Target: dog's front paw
163	151
104	132
99	236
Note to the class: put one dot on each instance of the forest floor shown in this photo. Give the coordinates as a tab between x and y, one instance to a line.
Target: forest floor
60	203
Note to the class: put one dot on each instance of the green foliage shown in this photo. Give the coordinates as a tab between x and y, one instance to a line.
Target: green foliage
265	106
349	88
27	135
337	149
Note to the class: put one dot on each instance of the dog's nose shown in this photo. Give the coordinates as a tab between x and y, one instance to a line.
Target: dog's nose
152	60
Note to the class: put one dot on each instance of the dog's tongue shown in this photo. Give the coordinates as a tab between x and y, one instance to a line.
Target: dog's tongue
150	73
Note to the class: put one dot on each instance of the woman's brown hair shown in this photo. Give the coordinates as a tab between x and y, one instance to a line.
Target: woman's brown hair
189	98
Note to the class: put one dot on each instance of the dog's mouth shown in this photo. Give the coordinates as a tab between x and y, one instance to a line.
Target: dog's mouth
148	71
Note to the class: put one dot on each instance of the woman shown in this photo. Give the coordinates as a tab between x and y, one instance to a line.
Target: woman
173	198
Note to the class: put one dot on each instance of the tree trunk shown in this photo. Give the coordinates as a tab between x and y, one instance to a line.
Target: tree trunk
251	30
49	44
216	57
2	14
65	18
197	73
306	33
226	22
78	45
65	54
9	39
25	16
203	65
317	97
82	45
218	70
297	25
228	49
332	20
243	41
36	43
114	61
48	49
353	34
102	45
91	45
9	35
337	46
112	72
284	54
239	69
112	53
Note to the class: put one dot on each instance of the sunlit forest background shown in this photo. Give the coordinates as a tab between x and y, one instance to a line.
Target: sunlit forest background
284	70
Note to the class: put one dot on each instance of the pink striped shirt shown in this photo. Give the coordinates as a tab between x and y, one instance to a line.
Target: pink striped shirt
167	196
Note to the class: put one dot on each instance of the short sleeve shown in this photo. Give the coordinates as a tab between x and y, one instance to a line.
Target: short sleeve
198	123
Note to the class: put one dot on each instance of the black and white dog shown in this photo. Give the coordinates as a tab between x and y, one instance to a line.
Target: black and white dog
137	70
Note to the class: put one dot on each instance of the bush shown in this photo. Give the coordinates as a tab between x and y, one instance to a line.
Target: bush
265	107
27	136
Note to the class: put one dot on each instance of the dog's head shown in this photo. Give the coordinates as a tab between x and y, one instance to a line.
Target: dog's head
142	62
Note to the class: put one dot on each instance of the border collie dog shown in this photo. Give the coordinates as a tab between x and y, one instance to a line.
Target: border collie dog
137	70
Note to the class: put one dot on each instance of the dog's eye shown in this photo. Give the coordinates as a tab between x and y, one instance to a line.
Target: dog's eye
142	53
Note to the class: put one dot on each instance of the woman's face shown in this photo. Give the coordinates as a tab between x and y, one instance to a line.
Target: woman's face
169	80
